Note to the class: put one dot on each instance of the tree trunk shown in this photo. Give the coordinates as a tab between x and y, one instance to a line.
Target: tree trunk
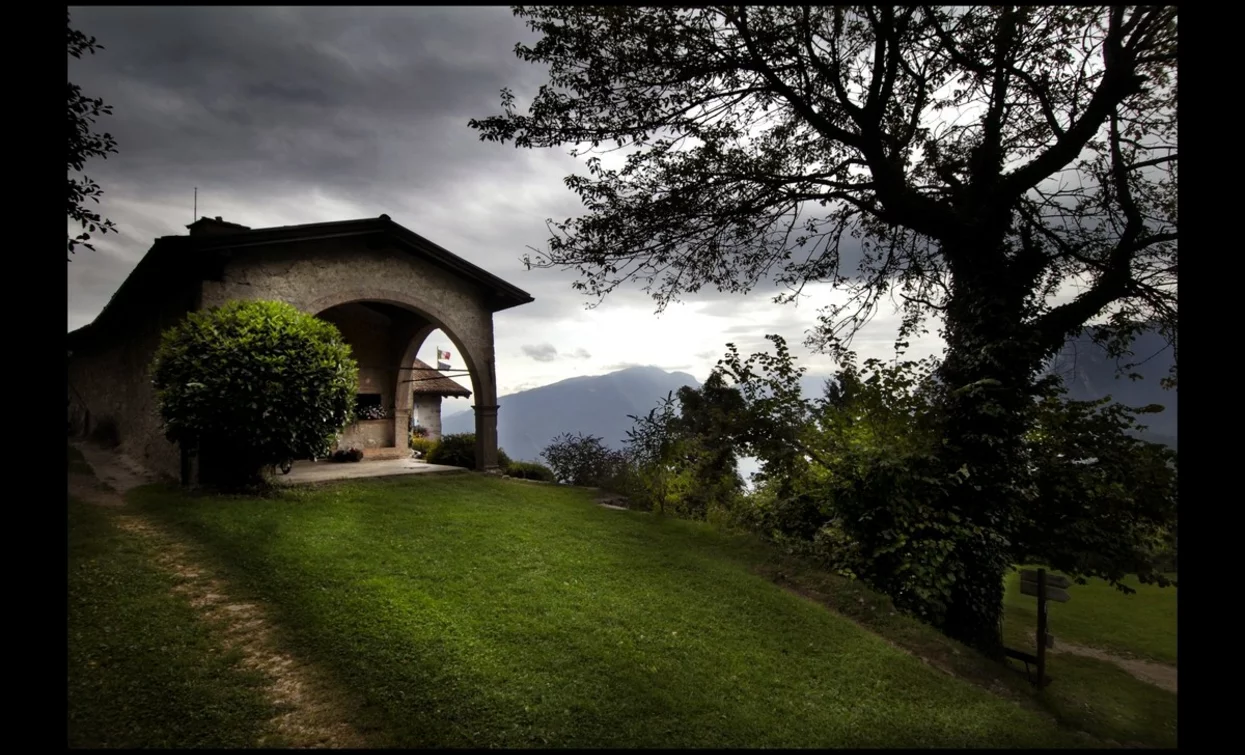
989	371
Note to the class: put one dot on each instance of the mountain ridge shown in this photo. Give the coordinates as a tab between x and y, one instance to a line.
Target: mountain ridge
590	404
1090	374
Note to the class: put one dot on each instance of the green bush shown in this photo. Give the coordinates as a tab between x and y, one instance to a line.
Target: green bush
253	384
585	460
459	450
423	445
530	470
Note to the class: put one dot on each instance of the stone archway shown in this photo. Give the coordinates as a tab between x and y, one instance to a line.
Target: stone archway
314	267
407	337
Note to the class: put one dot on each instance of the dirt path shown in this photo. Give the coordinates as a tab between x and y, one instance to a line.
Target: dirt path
1161	675
312	714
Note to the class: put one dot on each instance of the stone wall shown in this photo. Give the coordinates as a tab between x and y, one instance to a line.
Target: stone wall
110	377
317	275
428	414
368	333
368	433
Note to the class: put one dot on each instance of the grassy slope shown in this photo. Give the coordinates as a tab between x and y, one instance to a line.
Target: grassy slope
478	612
1089	695
143	671
1096	695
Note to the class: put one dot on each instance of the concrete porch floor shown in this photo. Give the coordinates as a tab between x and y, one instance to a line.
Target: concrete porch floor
325	471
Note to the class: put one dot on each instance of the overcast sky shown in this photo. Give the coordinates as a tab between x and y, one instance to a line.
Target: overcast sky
298	115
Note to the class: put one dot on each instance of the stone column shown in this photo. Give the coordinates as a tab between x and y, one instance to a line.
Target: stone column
401	428
486	438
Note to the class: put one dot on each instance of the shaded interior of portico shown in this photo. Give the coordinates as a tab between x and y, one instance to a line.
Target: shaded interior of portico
384	339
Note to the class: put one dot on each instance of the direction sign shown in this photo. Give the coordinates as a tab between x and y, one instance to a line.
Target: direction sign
1052	593
1052	580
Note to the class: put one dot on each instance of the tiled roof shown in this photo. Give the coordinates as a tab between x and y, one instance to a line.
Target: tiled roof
426	380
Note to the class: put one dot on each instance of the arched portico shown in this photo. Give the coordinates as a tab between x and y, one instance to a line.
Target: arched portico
400	326
315	267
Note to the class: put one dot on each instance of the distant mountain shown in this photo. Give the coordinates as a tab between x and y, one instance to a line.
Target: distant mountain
594	405
1090	374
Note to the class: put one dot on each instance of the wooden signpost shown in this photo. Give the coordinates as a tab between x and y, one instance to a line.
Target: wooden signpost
1045	587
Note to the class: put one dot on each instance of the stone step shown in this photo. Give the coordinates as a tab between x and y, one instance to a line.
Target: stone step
374	454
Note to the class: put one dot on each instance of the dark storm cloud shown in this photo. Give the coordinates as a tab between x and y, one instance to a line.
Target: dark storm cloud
360	98
268	111
294	115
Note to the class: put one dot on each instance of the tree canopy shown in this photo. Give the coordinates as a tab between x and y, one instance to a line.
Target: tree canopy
762	139
1094	500
84	144
974	162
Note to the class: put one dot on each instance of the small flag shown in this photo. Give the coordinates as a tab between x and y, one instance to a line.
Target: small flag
442	366
443	355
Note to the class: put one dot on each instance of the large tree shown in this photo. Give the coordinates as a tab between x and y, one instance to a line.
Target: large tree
84	144
978	161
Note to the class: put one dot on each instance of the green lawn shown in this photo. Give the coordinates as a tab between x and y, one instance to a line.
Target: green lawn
469	611
143	671
1140	625
1092	694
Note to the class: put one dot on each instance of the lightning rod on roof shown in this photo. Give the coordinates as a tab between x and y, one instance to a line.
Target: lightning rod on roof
196	209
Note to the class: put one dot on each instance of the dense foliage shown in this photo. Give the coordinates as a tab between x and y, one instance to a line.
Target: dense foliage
585	460
85	143
530	470
868	496
252	384
423	445
970	161
685	460
459	450
1104	500
455	450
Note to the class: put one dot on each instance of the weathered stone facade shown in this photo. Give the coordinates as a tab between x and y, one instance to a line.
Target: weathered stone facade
428	415
410	287
110	382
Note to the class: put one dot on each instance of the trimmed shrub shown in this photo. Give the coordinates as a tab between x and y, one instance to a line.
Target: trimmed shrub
530	470
253	384
459	450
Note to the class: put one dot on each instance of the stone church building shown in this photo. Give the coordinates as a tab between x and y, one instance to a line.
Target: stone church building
385	288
